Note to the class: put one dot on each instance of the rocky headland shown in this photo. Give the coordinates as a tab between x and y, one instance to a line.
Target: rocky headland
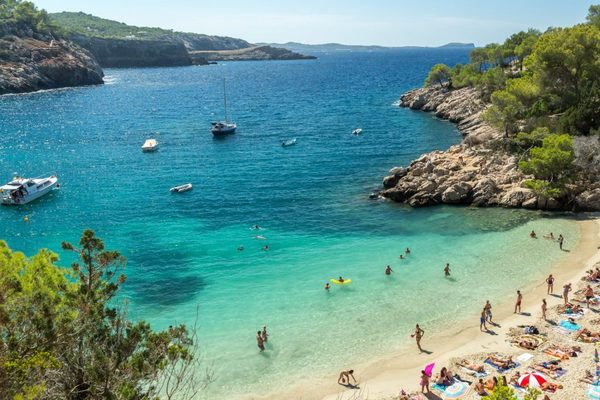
31	61
479	171
253	53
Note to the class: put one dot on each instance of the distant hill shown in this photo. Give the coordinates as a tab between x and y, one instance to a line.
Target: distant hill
334	47
83	24
116	44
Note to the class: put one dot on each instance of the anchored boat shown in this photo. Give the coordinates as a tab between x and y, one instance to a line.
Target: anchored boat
222	128
181	188
25	190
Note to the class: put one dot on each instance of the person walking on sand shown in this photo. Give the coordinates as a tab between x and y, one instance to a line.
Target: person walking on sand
482	325
424	382
344	378
388	270
418	335
259	341
544	309
264	334
589	295
518	303
561	239
566	290
550	282
447	270
488	311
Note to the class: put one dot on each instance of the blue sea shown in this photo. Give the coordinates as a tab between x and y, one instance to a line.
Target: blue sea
311	200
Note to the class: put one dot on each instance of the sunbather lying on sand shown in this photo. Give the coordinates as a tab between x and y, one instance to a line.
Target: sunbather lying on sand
556	352
529	344
473	367
569	309
549	369
587	336
514	379
551	387
589	378
501	361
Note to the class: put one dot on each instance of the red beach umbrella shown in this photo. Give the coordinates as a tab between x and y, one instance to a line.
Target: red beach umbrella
532	379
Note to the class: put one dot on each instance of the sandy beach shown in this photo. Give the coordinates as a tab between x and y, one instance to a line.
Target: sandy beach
384	378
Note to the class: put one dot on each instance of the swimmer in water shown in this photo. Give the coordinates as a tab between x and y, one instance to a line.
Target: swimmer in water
407	251
266	248
388	270
327	286
241	247
447	270
401	257
341	280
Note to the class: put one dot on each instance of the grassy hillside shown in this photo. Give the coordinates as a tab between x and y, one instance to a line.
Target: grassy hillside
91	26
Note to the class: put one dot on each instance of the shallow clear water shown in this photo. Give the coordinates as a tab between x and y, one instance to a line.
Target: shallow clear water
311	198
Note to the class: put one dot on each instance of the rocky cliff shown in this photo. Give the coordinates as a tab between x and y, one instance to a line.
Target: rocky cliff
122	53
477	171
30	62
255	53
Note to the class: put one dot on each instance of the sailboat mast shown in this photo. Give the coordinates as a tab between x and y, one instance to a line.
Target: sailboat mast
225	99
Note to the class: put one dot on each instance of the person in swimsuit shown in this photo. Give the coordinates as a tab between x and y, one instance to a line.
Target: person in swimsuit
488	311
407	251
480	388
550	282
544	308
424	382
518	303
388	270
264	334
341	280
561	239
344	378
401	257
550	236
482	318
447	270
533	235
327	286
566	290
418	335
589	295
259	341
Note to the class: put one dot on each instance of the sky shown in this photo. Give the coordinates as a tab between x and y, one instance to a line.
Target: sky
381	22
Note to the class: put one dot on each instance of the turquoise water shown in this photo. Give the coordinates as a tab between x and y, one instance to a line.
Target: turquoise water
312	200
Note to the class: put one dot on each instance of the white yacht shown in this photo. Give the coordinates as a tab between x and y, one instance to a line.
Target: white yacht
223	128
25	190
150	145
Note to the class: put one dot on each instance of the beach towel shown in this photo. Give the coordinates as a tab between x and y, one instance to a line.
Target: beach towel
562	331
474	373
438	388
569	326
500	369
574	316
525	357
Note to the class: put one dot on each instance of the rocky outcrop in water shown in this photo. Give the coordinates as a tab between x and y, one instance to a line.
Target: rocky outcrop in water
478	171
31	62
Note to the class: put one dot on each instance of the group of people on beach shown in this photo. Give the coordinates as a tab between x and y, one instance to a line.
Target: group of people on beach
486	316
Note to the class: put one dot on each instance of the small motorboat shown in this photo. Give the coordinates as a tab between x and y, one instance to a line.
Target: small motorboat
289	142
150	145
357	131
25	190
181	188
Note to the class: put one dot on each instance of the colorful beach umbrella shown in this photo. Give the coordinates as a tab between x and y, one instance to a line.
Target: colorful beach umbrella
593	392
429	369
456	390
532	379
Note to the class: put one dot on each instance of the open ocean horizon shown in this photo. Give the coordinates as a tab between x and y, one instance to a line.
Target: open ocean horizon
311	200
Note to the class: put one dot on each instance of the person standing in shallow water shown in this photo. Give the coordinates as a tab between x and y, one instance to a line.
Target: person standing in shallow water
418	335
447	270
388	270
259	341
550	282
327	286
264	334
488	311
518	303
561	239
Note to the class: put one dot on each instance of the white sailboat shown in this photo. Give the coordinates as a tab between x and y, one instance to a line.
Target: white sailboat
25	190
222	128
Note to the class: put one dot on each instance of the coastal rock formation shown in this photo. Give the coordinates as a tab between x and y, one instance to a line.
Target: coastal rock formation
256	53
121	53
477	171
30	62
